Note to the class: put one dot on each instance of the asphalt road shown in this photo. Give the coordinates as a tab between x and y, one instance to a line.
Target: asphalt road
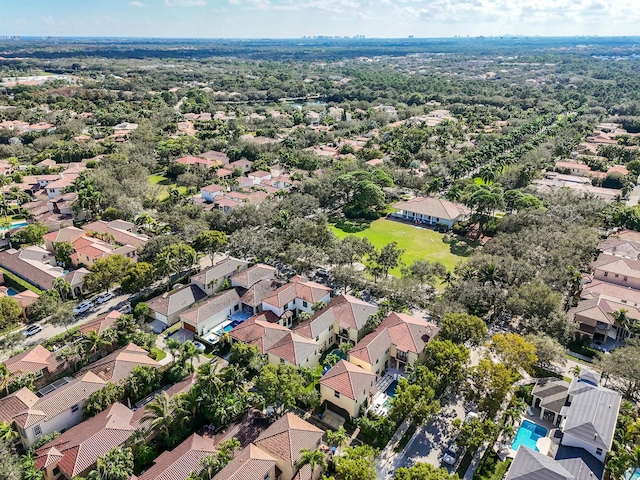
50	330
431	441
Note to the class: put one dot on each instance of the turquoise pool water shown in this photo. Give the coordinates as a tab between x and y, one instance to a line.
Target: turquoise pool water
339	353
11	292
527	435
636	476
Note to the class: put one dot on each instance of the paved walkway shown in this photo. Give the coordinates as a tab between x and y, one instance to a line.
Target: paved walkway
388	458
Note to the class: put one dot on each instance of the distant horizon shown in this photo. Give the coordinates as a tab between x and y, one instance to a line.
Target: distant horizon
4	36
293	19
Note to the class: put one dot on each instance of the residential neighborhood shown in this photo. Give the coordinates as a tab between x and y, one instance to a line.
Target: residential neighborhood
318	258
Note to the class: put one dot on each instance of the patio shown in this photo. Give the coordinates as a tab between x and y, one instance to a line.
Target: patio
229	324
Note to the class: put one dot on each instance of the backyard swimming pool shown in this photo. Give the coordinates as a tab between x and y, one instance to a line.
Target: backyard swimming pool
528	435
11	292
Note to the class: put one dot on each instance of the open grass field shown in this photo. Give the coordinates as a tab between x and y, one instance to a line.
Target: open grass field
418	243
166	185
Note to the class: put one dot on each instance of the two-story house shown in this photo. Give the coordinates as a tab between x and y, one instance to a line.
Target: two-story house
398	340
213	278
297	296
276	453
342	320
74	453
36	360
165	309
347	386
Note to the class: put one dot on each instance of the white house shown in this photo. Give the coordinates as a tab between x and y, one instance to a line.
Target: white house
297	296
210	192
347	386
211	279
431	211
166	308
55	411
206	316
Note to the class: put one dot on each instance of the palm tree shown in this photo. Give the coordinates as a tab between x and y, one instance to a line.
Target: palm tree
94	341
575	370
4	377
174	346
339	437
314	458
159	412
63	288
188	352
7	433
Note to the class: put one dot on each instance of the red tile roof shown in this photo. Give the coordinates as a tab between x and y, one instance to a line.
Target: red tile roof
260	331
101	323
77	449
33	360
407	333
16	403
249	464
298	287
287	436
178	463
344	310
117	365
348	379
294	348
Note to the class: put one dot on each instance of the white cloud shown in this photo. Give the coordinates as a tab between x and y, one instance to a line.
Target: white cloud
138	4
185	3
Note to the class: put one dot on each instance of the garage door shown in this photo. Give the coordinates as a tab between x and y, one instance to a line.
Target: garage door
191	328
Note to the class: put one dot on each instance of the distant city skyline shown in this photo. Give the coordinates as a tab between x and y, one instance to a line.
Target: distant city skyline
298	18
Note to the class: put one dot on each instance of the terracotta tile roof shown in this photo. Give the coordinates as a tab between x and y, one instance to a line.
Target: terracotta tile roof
78	448
348	379
600	309
66	234
117	365
16	403
178	463
123	237
33	360
214	188
294	348
189	160
25	264
620	248
61	399
260	330
250	276
596	288
344	310
252	463
287	436
615	264
255	295
169	304
433	206
220	270
223	172
407	333
298	287
208	308
218	156
101	323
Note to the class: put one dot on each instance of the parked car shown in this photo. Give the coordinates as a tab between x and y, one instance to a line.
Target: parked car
450	457
200	346
105	297
32	330
83	307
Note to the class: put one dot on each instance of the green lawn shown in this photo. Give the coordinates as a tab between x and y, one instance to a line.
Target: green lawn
166	185
418	243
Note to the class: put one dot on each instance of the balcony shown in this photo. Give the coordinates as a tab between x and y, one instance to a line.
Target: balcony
344	333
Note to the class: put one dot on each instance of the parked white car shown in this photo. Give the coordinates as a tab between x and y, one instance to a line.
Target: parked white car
83	307
32	330
105	297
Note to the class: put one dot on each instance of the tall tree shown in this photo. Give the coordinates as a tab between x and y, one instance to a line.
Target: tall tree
159	412
116	464
313	458
462	328
107	271
210	242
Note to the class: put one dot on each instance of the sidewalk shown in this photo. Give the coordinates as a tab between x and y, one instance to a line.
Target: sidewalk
388	458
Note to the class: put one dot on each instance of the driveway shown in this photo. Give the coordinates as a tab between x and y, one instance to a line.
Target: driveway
431	441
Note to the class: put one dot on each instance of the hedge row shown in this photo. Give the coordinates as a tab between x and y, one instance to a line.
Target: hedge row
16	282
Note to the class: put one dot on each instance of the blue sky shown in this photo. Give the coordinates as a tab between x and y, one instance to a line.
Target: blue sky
295	18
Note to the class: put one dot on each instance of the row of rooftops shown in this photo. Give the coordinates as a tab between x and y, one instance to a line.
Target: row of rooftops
614	285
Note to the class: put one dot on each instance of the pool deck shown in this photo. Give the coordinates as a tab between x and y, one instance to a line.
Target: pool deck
554	434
